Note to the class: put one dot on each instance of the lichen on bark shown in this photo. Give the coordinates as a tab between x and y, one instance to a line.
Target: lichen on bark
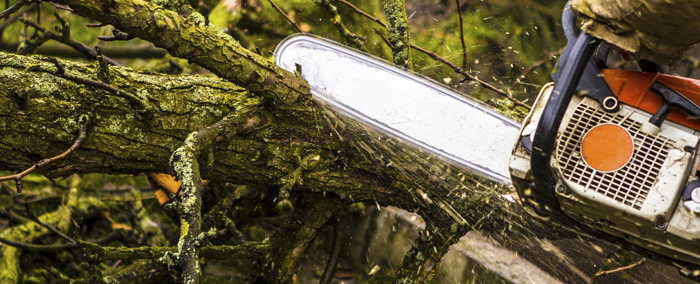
399	32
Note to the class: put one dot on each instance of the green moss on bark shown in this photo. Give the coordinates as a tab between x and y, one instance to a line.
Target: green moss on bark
399	32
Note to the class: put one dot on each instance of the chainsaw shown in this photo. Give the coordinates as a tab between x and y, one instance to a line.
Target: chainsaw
614	150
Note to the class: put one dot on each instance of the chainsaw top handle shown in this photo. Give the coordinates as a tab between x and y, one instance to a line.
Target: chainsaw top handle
572	64
543	144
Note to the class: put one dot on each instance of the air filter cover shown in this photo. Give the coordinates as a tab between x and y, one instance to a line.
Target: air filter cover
607	147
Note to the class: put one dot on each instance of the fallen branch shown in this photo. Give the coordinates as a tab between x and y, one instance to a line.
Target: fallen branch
184	163
398	32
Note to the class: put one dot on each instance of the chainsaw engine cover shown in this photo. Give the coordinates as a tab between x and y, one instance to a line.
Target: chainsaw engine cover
616	178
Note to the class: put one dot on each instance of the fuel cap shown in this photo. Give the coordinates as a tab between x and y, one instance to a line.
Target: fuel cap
607	147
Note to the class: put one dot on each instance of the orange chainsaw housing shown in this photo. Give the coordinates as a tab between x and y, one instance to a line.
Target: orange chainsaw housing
632	88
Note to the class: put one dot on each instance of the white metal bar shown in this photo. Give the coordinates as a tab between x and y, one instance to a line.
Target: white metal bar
402	104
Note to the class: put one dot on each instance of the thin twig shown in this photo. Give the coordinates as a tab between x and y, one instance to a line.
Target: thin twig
461	36
469	77
81	137
43	248
14	8
38	248
286	17
66	9
448	11
34	218
633	265
386	40
11	19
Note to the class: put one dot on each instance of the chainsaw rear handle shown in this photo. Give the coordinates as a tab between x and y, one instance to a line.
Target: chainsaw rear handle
672	99
543	144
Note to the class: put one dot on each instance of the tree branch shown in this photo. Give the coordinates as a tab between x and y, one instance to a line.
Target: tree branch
291	22
399	32
461	35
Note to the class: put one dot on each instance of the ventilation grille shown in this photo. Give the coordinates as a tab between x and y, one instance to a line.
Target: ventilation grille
628	185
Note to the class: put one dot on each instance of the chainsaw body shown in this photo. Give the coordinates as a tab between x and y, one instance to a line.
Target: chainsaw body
614	150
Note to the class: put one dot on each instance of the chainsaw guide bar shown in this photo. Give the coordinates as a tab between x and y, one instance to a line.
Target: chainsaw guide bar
401	104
